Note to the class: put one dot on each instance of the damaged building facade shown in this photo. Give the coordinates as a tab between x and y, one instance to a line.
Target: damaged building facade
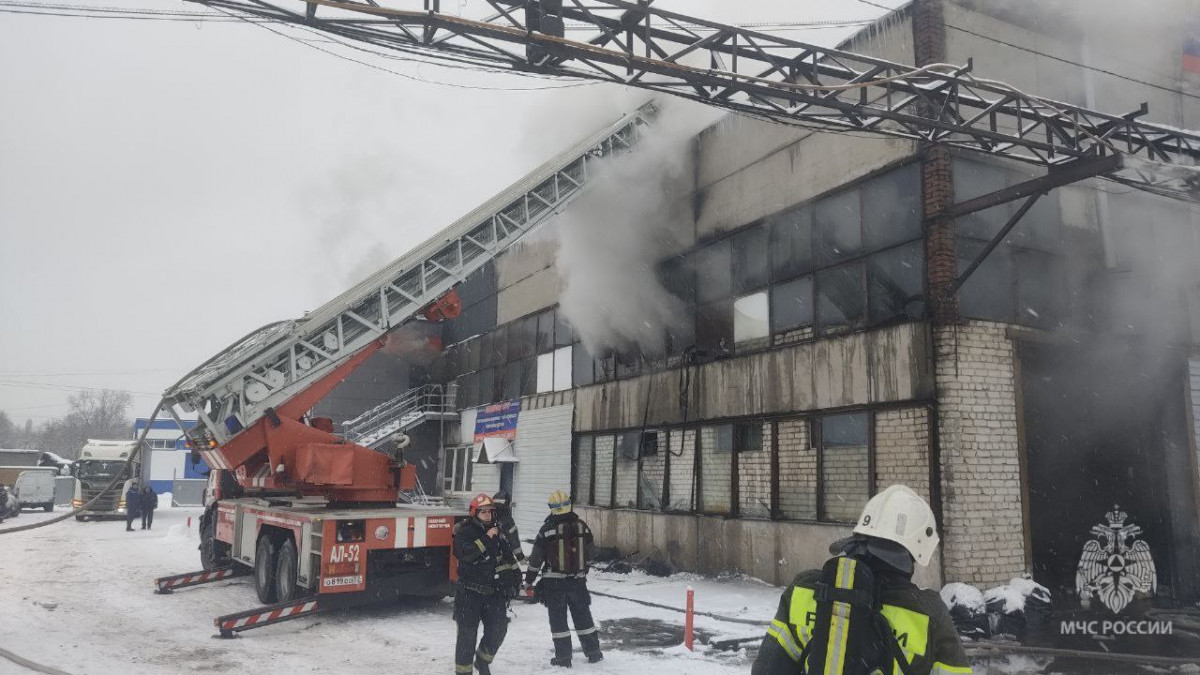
823	352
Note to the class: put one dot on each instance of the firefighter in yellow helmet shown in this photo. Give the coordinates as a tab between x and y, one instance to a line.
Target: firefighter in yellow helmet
562	554
484	558
861	613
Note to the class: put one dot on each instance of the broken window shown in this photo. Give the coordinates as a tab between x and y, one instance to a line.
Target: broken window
605	367
751	317
837	228
545	332
581	366
681	335
748	437
716	469
582	481
751	265
712	269
791	243
626	475
714	327
629	363
892	208
896	282
845	466
841	301
792	305
563	334
652	471
678	277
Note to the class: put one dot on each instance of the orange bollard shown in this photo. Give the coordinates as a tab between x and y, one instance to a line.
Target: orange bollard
687	625
189	522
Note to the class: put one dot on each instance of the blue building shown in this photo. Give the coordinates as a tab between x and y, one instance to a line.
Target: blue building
166	457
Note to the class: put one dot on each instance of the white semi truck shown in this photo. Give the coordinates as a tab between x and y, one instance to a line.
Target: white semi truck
99	463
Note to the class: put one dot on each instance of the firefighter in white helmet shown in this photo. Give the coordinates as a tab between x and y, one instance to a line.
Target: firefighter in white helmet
562	553
861	612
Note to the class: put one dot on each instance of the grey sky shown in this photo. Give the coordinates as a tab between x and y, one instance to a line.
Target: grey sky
167	187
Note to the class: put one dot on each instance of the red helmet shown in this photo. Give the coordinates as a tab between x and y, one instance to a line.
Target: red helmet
481	501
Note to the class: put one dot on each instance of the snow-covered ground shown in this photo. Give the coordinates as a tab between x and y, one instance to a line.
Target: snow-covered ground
79	597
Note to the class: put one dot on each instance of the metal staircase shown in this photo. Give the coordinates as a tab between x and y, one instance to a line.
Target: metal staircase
431	402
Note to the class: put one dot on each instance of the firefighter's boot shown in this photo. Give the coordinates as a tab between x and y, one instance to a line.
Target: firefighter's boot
561	662
482	666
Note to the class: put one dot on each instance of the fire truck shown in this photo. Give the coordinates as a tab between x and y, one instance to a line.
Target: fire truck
315	516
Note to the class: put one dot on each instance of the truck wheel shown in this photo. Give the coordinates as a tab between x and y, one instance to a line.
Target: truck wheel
287	570
48	507
264	569
213	553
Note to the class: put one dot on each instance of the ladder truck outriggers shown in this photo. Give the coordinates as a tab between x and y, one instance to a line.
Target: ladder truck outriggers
314	517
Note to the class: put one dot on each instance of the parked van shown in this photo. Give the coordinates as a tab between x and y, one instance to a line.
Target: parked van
35	489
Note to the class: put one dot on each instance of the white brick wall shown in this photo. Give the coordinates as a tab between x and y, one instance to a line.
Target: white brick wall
626	477
754	479
583	470
902	449
683	444
716	468
604	469
846	482
984	540
797	471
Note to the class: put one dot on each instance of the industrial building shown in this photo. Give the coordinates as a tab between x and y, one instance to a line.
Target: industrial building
816	347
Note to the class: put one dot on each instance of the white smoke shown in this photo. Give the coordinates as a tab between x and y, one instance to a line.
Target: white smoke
636	210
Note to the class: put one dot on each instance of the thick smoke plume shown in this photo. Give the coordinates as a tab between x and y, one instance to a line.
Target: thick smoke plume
635	211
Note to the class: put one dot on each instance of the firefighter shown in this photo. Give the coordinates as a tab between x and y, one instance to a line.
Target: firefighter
484	560
506	523
562	554
832	620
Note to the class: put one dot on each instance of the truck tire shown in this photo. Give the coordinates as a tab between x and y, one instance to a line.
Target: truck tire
213	553
287	570
264	569
48	507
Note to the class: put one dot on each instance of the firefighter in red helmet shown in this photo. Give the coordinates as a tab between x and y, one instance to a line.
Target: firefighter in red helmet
485	559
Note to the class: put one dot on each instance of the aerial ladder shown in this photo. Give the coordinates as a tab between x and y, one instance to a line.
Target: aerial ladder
302	484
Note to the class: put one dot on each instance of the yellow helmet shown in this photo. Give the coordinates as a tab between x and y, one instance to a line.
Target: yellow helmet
559	503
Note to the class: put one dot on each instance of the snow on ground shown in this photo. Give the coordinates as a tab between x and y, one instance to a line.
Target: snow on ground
78	596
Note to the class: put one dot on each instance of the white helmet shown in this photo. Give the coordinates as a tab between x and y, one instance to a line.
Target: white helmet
898	514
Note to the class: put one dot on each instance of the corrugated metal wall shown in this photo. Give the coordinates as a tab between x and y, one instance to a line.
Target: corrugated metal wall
543	447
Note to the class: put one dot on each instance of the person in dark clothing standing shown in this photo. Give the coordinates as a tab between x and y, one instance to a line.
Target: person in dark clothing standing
562	555
149	501
133	506
485	567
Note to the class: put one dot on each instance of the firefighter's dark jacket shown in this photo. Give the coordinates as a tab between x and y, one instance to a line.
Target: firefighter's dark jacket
919	619
481	559
563	547
508	528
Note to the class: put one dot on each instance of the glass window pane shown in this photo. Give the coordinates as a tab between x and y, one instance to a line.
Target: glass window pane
562	368
678	278
529	376
714	327
975	179
500	346
682	445
652	472
791	243
712	269
840	302
892	208
895	283
581	366
605	367
792	305
837	228
479	352
545	332
487	387
750	264
545	373
512	380
988	292
751	317
754	469
716	467
563	334
522	338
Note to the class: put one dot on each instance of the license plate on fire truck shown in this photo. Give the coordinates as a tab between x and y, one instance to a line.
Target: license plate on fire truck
333	582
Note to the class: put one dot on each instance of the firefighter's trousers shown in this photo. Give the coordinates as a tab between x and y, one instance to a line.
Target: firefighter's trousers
471	608
561	595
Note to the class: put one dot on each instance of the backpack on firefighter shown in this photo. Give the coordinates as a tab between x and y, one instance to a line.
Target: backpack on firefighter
850	635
